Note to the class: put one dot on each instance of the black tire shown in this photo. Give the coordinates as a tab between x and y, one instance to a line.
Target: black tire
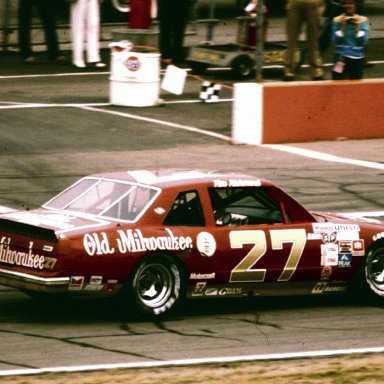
156	286
374	270
243	67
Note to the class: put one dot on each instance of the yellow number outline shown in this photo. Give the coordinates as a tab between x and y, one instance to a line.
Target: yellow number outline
243	272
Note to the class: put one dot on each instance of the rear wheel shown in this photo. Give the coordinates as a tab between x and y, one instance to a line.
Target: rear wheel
156	286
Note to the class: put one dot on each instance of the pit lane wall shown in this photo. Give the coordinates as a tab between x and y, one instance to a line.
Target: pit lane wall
307	111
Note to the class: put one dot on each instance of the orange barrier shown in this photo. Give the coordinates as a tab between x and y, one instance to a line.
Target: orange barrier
308	111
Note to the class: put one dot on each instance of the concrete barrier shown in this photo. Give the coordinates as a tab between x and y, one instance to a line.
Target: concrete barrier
307	111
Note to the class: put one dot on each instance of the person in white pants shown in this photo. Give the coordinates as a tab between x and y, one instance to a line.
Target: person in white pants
85	30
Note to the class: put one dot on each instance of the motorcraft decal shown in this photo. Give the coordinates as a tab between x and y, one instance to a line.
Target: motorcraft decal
133	240
202	276
10	256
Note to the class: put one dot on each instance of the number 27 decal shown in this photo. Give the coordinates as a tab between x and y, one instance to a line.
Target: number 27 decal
244	273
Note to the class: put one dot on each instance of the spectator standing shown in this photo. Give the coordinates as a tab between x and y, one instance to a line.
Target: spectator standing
173	17
350	34
333	8
45	9
301	12
85	32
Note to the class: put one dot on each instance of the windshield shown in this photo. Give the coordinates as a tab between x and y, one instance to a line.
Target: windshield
107	198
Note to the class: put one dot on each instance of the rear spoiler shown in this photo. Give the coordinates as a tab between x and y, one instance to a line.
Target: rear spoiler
11	226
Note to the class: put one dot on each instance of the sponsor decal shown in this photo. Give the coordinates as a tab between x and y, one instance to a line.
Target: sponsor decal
314	236
319	287
330	233
378	236
335	289
93	287
329	237
236	183
345	246
97	244
329	254
347	227
133	240
202	276
50	263
133	63
199	289
331	227
348	235
354	247
206	244
96	280
323	227
358	247
211	291
11	256
76	283
230	291
326	273
345	260
111	284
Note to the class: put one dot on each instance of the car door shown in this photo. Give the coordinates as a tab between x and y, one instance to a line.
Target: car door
259	247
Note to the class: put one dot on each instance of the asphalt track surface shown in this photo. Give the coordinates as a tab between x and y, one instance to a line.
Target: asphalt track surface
57	125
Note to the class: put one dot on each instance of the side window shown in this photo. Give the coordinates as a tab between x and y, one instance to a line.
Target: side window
186	210
244	206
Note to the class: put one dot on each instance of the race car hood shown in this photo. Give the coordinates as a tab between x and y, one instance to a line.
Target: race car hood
49	223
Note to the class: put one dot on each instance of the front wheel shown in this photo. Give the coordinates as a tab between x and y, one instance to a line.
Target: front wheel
374	270
156	286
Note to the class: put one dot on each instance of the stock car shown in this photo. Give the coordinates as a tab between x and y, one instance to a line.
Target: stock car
157	237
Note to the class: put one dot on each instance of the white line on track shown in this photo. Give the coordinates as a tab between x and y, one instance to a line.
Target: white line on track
160	122
324	156
192	362
285	148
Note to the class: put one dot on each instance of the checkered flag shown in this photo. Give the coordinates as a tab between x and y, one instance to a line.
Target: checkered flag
209	92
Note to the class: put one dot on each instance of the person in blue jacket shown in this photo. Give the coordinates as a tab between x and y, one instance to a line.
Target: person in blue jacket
350	33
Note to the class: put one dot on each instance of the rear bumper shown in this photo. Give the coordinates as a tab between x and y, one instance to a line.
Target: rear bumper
31	282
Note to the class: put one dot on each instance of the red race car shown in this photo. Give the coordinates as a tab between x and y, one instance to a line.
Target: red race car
159	237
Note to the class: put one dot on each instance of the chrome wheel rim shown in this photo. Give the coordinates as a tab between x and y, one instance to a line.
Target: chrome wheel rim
155	284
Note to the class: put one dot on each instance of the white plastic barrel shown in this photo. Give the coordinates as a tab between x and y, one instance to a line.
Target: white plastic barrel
135	78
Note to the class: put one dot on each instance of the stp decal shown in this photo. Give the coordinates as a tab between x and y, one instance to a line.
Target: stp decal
133	63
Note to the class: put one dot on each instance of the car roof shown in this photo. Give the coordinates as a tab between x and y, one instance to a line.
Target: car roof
183	177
